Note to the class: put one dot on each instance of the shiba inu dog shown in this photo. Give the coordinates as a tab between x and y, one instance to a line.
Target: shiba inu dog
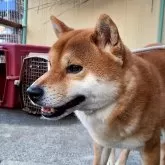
117	95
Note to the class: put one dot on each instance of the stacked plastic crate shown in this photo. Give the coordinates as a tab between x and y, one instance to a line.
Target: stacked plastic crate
11	62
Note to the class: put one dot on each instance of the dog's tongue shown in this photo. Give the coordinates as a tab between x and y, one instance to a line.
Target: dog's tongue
46	109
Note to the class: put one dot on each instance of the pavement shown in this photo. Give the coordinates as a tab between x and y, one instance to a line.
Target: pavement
30	140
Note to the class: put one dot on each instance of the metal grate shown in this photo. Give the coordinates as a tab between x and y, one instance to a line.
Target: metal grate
33	67
10	34
11	11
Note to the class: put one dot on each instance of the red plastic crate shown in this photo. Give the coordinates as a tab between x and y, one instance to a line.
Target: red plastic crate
10	70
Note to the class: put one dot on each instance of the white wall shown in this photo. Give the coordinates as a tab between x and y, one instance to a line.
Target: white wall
137	20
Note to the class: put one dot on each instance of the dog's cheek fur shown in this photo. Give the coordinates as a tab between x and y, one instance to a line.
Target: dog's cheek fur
95	91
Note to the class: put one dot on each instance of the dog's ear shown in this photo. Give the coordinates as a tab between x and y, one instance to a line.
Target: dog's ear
106	36
59	27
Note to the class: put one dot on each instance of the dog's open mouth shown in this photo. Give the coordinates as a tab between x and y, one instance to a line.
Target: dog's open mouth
49	112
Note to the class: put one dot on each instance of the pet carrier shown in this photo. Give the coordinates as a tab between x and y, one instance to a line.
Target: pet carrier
34	65
11	56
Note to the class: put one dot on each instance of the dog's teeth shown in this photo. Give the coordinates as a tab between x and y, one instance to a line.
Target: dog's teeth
52	110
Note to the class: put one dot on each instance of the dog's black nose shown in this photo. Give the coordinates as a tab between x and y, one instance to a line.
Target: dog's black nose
35	93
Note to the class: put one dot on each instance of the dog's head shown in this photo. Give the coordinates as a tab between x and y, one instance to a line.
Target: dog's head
86	70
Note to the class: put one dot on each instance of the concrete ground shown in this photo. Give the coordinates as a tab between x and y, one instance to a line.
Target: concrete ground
29	140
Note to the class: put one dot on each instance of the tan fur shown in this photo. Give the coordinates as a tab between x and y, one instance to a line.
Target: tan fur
137	107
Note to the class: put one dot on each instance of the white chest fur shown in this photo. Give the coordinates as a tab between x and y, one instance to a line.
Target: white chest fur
104	135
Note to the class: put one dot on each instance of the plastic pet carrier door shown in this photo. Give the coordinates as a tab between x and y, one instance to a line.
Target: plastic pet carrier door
34	66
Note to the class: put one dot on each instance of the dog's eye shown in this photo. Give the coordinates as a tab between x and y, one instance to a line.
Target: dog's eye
74	69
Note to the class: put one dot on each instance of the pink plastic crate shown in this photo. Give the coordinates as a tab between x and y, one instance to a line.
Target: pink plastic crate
11	56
